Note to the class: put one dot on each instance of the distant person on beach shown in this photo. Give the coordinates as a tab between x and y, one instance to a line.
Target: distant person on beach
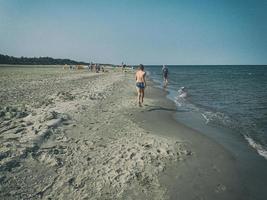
165	73
140	78
94	67
91	66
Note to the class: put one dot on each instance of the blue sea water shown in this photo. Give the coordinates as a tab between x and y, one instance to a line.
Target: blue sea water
229	97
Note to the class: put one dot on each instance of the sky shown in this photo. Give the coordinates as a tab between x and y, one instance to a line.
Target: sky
184	32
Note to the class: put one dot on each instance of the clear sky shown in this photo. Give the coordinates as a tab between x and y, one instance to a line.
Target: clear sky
137	31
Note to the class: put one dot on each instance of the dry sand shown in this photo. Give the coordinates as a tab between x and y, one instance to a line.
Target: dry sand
77	135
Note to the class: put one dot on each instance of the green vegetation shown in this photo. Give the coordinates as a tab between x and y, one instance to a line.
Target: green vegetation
5	59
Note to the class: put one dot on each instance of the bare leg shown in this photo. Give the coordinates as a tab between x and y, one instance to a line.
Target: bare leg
138	96
165	82
142	95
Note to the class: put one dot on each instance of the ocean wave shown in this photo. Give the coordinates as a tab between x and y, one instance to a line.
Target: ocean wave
258	147
222	119
217	117
206	118
182	93
180	98
240	107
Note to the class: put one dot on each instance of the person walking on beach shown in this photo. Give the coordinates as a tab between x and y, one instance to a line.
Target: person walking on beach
91	66
165	72
140	78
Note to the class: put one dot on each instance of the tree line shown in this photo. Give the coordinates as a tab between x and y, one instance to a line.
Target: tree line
5	59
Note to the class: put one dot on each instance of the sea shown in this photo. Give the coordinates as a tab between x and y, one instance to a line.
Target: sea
227	102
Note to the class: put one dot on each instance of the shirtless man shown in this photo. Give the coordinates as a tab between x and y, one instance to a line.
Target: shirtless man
140	84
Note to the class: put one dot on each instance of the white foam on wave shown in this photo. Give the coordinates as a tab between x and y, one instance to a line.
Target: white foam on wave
178	103
212	117
206	118
217	117
259	148
180	98
182	93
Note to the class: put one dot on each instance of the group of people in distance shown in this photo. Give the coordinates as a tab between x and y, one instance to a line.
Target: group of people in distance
95	67
140	78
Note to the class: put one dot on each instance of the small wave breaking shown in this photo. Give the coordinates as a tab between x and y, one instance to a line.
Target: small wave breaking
258	147
216	117
181	96
182	92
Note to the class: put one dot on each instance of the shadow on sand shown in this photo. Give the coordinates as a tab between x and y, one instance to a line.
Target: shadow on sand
160	108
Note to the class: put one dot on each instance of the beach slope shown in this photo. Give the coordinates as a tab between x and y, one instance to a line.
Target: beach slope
76	135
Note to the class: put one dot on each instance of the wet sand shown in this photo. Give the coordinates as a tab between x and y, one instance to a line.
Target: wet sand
214	170
209	173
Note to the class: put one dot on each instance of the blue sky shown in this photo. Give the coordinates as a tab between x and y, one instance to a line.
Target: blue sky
137	31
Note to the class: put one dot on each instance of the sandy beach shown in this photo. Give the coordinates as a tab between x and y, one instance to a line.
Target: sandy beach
76	135
73	77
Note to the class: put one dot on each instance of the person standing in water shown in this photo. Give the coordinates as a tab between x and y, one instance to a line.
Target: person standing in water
165	72
140	78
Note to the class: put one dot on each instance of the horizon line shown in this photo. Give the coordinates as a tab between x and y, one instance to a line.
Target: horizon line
136	64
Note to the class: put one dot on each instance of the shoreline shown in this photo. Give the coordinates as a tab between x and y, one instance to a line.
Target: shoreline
231	162
82	135
211	166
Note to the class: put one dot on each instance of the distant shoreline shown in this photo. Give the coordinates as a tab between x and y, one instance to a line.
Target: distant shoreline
18	65
38	60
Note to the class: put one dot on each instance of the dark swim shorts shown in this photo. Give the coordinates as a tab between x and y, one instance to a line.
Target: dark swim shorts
140	85
165	75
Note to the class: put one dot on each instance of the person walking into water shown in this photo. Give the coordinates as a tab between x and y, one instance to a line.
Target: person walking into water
140	78
165	72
